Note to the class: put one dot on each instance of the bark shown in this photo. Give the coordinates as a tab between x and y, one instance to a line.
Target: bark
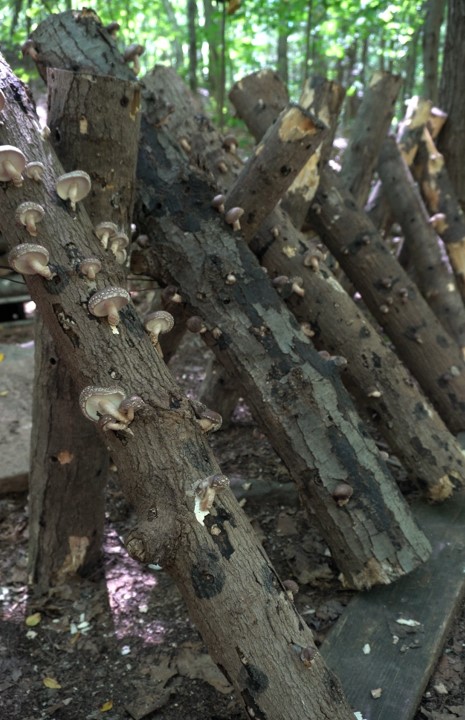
452	98
264	82
431	37
274	165
427	350
94	126
214	43
69	465
219	565
219	390
323	98
433	273
411	65
369	130
443	205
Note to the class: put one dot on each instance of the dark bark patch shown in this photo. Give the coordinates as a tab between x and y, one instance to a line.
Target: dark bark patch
334	690
221	540
207	575
251	708
442	341
254	679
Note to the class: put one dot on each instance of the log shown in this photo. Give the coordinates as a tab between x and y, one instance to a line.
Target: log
263	112
219	564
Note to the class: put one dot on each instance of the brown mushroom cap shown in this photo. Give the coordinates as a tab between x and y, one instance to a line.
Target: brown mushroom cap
90	267
158	323
232	217
30	259
34	171
73	186
104	231
107	303
28	214
96	401
12	162
130	405
132	54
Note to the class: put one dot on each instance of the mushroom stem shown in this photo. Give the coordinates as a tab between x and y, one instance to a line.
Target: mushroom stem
16	176
43	270
113	320
72	196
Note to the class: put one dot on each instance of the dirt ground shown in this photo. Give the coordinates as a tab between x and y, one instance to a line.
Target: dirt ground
120	645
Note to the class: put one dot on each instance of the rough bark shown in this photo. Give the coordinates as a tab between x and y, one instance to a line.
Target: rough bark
369	130
219	390
433	274
274	165
430	46
323	98
431	355
260	111
282	64
452	98
219	565
442	204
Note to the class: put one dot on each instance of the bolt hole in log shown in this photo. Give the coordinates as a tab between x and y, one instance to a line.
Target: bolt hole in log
124	102
53	361
284	170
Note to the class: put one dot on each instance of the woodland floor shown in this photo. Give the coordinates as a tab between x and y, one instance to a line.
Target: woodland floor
120	644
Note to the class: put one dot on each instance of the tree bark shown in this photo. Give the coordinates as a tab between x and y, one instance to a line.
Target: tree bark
192	28
369	130
431	36
260	111
219	565
281	58
452	98
433	273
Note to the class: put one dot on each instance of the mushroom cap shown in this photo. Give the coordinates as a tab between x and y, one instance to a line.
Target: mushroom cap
133	51
119	241
233	215
21	256
34	170
105	228
91	398
103	301
159	322
35	212
90	265
73	185
10	154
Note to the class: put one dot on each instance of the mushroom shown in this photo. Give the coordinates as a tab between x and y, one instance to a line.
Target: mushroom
96	402
12	162
118	245
230	144
112	28
107	303
195	324
208	420
28	48
158	323
73	186
2	100
232	217
30	259
218	203
104	231
108	422
130	405
205	491
28	214
90	267
132	54
34	171
296	286
342	493
170	294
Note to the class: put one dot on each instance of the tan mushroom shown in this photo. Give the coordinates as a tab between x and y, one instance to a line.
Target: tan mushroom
232	217
12	162
218	203
107	303
90	267
118	244
104	231
35	171
96	402
29	214
73	186
30	259
205	491
132	54
130	405
158	323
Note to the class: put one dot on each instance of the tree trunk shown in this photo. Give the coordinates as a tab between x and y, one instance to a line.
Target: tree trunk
411	65
433	273
369	130
260	111
192	27
282	63
431	36
264	648
452	98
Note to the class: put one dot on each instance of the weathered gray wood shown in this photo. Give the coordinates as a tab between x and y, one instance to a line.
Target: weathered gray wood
266	111
430	596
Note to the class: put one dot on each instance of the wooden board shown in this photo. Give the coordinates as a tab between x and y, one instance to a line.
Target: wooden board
431	596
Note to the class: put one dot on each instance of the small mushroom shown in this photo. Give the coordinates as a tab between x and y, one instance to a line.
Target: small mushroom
230	144
90	267
296	286
232	217
96	402
105	231
218	203
118	244
28	214
107	303
170	294
195	324
30	259
28	48
73	186
112	28
158	323
205	491
130	405
108	422
34	171
132	54
12	162
208	420
342	493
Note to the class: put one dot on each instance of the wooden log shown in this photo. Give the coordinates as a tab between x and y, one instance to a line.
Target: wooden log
433	274
368	132
274	164
218	564
260	111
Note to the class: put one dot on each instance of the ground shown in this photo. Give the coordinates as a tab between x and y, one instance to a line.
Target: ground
119	644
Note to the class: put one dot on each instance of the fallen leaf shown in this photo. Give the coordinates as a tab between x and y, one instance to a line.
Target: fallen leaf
108	705
33	620
51	683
